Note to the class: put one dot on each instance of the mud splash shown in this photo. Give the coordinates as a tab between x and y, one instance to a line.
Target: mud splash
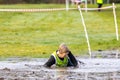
32	69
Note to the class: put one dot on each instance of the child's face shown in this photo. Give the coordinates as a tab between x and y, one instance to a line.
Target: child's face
62	55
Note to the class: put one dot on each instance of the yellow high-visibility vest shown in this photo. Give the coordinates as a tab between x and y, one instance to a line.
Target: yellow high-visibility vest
100	1
59	62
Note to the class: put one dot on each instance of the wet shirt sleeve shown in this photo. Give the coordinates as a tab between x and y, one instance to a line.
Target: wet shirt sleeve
72	59
50	62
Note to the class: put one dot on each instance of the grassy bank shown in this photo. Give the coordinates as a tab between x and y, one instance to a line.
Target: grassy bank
39	34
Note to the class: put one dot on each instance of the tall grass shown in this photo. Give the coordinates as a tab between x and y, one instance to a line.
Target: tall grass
38	34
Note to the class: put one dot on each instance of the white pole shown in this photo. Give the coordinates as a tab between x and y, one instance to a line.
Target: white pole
86	5
86	34
108	1
91	1
115	20
67	5
94	1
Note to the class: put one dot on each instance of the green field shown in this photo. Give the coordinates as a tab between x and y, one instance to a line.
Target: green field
38	34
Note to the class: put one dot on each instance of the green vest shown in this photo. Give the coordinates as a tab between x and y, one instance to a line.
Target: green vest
59	62
100	1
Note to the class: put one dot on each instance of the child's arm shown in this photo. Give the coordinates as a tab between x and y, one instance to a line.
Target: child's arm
72	59
50	62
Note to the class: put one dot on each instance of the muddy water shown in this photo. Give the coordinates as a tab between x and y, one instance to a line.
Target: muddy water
32	69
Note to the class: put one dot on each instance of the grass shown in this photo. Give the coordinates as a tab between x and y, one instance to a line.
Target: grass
39	34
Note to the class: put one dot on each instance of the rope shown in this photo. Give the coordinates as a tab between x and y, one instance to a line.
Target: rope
108	7
33	10
47	10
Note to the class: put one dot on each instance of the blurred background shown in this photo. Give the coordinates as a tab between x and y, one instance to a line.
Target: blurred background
48	1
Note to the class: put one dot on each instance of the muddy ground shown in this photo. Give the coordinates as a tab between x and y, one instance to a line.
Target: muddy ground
102	68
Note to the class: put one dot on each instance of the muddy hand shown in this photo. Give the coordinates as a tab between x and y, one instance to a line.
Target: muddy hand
81	62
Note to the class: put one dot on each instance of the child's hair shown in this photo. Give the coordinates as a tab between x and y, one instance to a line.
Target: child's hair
63	48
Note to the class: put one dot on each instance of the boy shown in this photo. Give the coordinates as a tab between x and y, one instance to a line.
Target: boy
100	3
83	3
77	2
62	58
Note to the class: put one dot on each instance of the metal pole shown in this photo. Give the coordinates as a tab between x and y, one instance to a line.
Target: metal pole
85	29
86	5
67	5
108	1
91	1
115	20
94	1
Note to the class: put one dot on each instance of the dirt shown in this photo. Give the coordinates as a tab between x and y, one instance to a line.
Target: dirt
32	69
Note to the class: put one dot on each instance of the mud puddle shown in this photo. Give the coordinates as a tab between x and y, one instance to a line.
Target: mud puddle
32	69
